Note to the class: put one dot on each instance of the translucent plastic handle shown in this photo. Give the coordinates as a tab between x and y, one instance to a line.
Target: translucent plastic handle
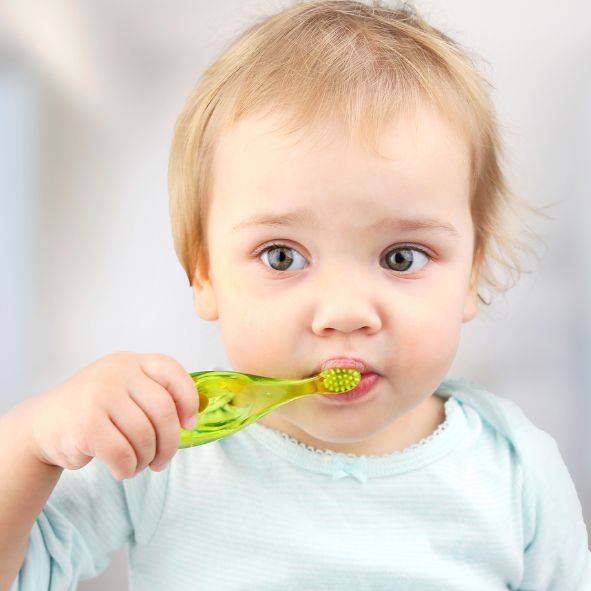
235	400
229	401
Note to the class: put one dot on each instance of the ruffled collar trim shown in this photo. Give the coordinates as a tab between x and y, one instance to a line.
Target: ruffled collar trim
339	465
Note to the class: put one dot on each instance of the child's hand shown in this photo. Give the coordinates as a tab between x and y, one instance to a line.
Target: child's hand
125	409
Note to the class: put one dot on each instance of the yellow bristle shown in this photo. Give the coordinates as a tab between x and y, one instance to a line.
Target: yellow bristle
340	379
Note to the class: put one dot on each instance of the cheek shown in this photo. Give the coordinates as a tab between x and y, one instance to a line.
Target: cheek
254	341
439	347
429	337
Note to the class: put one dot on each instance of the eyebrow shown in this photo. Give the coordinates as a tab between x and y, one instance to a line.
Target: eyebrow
305	217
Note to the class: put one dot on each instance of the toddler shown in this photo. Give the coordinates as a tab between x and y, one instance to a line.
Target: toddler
336	201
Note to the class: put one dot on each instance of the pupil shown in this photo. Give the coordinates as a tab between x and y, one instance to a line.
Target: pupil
400	260
279	257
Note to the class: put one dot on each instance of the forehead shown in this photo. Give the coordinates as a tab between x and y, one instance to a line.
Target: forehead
421	160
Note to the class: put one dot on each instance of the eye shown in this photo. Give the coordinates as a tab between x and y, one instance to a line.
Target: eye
405	258
279	257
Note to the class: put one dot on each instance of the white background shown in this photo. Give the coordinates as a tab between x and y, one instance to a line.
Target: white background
89	93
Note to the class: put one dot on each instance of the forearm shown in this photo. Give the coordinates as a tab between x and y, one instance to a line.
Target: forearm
24	489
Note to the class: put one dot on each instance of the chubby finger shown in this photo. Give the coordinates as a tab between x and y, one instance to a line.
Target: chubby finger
136	426
172	376
113	448
160	408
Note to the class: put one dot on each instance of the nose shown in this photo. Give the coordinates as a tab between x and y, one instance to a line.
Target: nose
345	305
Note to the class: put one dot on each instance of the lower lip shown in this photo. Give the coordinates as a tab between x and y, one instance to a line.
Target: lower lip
366	384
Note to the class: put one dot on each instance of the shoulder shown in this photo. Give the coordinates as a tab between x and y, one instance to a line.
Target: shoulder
535	454
554	534
503	418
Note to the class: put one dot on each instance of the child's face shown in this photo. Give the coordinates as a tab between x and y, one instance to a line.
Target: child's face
348	278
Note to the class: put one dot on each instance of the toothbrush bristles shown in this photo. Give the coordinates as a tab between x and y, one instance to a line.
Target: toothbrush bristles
340	379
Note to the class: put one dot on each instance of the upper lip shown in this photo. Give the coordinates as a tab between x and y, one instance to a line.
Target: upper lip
352	362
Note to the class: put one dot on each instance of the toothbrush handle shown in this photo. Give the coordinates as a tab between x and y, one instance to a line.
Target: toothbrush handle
235	400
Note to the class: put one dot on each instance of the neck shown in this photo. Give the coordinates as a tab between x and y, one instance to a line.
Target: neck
413	427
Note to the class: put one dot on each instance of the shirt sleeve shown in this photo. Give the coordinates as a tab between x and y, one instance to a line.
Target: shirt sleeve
85	520
556	552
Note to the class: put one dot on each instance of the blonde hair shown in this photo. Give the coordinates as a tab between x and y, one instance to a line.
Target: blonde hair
363	64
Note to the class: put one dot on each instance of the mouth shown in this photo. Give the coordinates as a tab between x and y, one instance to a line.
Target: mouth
348	362
369	379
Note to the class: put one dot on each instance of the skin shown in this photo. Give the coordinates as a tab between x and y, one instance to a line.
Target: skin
341	293
125	409
337	292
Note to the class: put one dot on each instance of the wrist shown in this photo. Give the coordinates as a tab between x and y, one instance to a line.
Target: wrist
20	423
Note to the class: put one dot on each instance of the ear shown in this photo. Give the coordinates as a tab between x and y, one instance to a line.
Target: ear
471	301
204	299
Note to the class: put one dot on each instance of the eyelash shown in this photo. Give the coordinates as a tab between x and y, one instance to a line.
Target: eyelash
273	245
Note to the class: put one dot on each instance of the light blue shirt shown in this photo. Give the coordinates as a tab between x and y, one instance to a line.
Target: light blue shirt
484	503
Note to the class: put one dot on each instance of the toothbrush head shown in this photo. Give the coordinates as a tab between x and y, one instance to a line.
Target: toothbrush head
340	379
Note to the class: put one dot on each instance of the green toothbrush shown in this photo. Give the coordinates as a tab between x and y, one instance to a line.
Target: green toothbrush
229	401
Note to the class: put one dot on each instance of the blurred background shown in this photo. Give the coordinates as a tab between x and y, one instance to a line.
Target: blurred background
89	94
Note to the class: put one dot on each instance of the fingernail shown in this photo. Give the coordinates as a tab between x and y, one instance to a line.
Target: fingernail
190	423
